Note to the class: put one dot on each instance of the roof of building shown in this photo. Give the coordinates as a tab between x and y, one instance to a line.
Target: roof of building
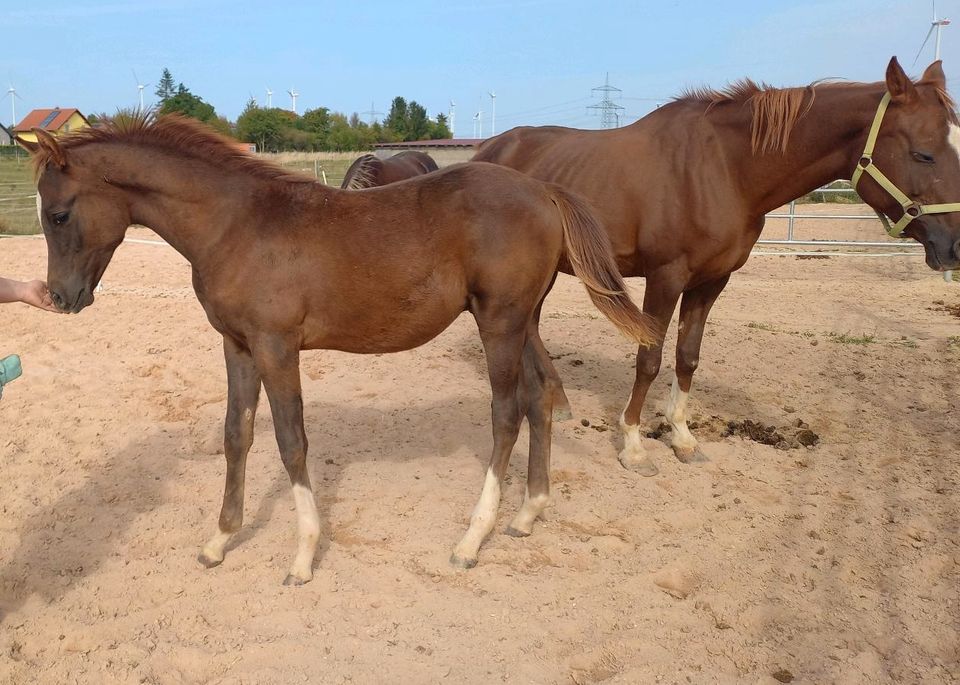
47	119
441	143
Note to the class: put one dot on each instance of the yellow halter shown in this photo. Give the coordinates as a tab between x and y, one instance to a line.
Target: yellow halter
911	209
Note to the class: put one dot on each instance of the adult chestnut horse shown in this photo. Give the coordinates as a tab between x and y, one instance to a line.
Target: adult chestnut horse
369	171
282	263
683	192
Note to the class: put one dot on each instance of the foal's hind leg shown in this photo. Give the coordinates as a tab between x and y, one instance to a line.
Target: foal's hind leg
279	362
694	309
503	351
243	392
538	403
561	405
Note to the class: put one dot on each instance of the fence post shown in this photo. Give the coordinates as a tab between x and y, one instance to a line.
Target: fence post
793	211
316	168
948	276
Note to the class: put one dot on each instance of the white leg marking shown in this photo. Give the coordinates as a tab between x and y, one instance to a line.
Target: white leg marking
530	510
677	416
213	550
308	532
632	452
483	519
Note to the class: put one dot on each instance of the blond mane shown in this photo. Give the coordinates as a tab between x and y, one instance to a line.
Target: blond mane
776	111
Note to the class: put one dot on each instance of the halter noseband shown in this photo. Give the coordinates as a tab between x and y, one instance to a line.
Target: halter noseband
911	209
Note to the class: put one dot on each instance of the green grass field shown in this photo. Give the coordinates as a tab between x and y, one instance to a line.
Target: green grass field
18	208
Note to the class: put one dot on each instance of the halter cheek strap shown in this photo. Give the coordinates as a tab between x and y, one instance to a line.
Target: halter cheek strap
911	209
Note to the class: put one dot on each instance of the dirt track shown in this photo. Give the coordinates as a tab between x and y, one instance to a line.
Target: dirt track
837	563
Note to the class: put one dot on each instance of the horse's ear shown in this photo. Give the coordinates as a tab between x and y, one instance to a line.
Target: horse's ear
50	145
899	85
934	75
28	145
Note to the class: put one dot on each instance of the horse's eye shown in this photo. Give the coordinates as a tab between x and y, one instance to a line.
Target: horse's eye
61	218
922	157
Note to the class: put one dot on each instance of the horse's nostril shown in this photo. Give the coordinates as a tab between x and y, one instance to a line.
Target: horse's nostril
57	300
956	250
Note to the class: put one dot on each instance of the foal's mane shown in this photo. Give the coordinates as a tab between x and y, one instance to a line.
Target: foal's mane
777	110
177	134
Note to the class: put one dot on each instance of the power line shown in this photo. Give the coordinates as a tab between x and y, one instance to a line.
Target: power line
608	109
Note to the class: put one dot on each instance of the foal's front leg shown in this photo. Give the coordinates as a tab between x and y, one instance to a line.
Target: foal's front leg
279	363
243	393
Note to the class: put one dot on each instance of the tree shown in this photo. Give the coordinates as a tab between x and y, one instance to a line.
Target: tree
265	127
165	87
188	104
317	123
418	126
440	128
396	120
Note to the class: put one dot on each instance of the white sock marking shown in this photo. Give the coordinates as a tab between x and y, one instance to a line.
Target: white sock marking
483	519
308	532
677	416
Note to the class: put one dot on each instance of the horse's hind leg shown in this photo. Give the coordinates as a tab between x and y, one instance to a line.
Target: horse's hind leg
503	351
539	401
279	362
694	309
561	405
243	393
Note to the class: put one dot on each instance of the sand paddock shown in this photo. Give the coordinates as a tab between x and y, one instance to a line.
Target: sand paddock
835	563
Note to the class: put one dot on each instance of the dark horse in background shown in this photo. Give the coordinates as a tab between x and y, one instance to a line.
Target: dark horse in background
683	192
370	171
282	264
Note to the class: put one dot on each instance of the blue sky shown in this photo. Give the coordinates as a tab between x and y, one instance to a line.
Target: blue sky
541	57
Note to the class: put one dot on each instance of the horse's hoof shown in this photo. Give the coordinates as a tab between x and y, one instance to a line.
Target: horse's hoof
207	562
562	413
691	455
294	580
642	466
516	532
458	562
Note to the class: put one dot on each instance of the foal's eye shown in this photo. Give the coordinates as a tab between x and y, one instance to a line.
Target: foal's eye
922	157
61	218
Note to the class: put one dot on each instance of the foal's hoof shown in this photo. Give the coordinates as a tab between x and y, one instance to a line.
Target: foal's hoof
207	562
459	562
516	532
295	580
691	455
562	413
641	465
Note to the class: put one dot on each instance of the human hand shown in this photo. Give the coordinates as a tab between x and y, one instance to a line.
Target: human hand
37	294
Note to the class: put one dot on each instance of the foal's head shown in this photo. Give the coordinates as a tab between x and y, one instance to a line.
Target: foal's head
918	149
83	216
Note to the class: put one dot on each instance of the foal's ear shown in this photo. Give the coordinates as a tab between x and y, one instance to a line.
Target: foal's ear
28	145
899	85
50	145
934	75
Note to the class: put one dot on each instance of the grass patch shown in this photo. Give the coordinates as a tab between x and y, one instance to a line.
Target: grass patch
762	326
954	342
847	339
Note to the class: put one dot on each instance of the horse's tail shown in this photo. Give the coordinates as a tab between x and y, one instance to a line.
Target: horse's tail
591	256
361	174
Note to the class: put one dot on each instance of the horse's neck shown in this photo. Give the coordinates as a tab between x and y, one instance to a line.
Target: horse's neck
824	145
181	201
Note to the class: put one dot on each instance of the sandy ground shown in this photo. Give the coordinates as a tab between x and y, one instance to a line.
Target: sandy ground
837	563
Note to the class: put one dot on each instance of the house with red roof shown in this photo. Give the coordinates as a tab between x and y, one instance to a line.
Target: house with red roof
55	121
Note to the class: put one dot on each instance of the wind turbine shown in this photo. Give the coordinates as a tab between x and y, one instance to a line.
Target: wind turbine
937	24
479	117
140	87
12	94
493	117
270	99
293	96
453	119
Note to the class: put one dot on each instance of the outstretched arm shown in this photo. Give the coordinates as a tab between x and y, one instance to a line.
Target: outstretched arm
34	293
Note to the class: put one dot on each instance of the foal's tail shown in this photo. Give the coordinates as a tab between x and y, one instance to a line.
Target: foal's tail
591	256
